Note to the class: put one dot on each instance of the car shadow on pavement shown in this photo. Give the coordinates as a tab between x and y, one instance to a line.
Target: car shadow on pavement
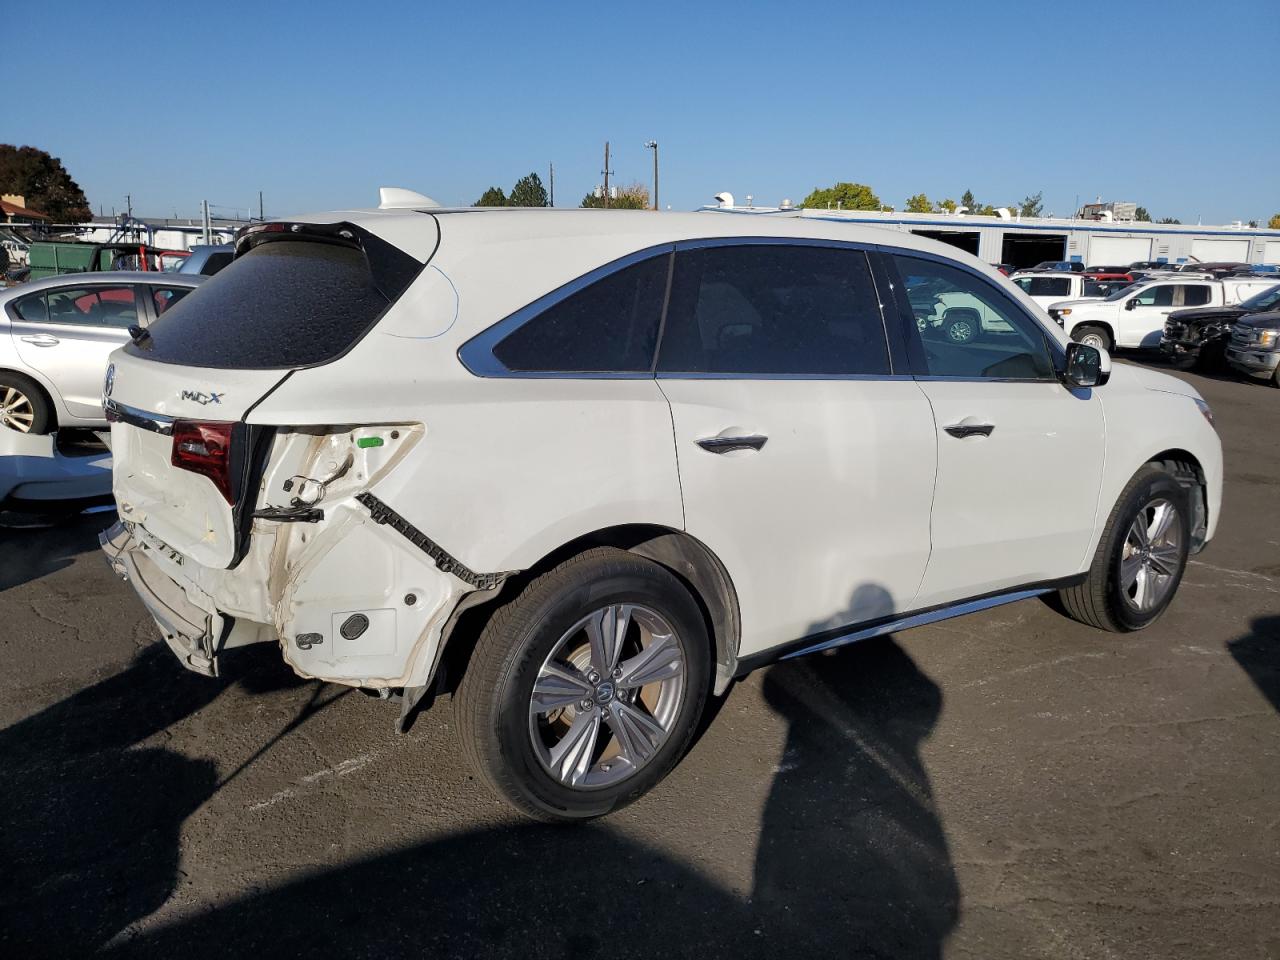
90	811
27	555
852	859
1258	653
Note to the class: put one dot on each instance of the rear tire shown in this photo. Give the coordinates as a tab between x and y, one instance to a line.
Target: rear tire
1133	579
23	405
540	685
1092	336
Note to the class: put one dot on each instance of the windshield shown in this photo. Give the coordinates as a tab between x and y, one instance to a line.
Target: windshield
1268	299
1126	290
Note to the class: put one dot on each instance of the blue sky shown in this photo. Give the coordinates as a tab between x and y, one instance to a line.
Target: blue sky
318	103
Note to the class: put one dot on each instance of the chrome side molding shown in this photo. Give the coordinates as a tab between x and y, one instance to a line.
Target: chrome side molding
122	413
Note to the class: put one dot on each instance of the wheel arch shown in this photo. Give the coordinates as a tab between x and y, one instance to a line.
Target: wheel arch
1103	324
686	557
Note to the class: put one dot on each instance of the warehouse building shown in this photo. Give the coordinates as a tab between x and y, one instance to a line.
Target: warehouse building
1024	242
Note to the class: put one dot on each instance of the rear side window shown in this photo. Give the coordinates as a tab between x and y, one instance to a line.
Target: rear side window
1045	286
162	298
93	306
773	310
1195	296
283	304
610	326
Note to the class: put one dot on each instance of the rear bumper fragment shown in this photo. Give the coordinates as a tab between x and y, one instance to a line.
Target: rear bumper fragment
194	635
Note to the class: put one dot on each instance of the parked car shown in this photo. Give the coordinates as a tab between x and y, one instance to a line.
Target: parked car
1110	270
1200	335
1047	287
1254	348
1072	265
1134	316
1146	266
207	259
632	456
1216	269
56	335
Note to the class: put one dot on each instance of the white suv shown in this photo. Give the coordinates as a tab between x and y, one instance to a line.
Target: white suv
591	466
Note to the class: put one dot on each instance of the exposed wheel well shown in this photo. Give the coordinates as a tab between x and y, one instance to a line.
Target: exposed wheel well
1186	468
685	556
44	393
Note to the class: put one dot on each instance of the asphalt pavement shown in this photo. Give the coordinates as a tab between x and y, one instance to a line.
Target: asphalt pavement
1011	784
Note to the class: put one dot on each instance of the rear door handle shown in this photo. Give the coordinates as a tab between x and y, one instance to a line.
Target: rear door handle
729	444
963	430
42	340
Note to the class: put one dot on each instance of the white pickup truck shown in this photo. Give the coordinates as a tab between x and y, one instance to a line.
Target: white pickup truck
1047	287
1133	317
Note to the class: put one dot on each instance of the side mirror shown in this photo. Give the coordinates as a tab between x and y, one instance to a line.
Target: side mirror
1131	304
1086	366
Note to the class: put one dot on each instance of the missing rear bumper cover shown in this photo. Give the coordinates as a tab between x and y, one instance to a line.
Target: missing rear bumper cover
444	561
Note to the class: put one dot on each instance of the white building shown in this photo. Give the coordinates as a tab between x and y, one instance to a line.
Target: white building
1024	242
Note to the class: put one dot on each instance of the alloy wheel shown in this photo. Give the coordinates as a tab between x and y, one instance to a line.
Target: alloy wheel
1151	556
16	410
1093	340
960	331
607	696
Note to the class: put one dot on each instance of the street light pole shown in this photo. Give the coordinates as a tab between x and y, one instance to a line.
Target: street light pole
653	145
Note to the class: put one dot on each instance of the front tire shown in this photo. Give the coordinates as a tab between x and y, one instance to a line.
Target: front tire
585	689
1092	336
1140	558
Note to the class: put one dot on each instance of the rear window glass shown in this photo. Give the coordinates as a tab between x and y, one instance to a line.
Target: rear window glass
283	304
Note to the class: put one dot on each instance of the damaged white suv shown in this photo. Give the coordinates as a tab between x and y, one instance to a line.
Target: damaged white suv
588	467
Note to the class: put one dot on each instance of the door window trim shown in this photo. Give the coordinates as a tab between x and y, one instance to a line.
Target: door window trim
907	321
477	355
139	303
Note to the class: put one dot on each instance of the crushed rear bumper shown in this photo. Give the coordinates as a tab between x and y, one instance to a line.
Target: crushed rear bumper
193	634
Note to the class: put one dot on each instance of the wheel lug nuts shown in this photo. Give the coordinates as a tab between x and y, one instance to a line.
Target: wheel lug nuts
593	677
617	672
587	704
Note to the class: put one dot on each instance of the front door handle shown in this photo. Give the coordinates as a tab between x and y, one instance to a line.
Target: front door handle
729	444
963	430
42	340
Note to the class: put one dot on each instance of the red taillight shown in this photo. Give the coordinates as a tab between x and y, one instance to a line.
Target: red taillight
205	448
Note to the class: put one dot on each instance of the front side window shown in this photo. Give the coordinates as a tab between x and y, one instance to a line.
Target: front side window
969	328
773	310
1157	295
610	326
93	306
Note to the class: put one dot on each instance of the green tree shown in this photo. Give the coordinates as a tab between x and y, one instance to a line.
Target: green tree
493	197
1168	220
44	182
987	210
842	196
1142	214
969	201
919	204
634	196
947	206
1274	222
528	192
1031	206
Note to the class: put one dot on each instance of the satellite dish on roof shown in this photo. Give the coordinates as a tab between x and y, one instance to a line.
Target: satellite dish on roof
398	198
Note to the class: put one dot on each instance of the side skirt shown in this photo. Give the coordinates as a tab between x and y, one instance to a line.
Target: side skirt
852	633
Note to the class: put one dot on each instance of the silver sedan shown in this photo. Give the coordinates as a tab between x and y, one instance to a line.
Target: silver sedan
56	335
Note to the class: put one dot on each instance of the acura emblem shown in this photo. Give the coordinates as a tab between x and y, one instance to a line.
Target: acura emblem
110	382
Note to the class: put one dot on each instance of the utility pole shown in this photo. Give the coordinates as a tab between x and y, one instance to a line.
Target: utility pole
653	145
260	216
606	174
551	180
128	199
205	225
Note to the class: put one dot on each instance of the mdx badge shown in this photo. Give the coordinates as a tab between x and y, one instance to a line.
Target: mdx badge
202	398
